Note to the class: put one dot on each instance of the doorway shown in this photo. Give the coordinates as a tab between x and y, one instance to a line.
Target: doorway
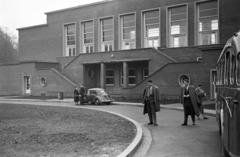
27	85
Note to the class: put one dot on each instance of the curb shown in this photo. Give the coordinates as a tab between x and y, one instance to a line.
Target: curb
129	151
208	112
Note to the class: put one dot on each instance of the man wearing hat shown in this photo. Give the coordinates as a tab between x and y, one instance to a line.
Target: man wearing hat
151	102
189	99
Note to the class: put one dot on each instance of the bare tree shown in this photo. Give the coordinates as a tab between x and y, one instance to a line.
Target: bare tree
8	48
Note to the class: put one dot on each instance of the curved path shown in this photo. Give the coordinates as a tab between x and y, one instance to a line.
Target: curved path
170	139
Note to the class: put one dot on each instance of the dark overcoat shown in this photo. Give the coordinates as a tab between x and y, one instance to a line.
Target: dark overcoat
155	100
76	95
193	97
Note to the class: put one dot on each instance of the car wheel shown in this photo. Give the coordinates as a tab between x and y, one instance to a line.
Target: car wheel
97	102
89	102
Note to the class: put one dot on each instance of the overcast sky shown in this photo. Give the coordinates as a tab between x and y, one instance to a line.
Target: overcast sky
22	13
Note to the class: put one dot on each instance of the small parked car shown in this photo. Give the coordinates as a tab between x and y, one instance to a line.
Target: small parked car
97	96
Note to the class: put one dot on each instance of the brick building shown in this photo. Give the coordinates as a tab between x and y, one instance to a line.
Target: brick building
120	44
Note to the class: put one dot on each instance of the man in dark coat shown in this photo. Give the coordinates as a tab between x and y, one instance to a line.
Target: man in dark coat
76	95
151	102
82	93
189	99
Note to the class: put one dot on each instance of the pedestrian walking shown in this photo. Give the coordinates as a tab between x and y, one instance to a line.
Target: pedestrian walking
189	100
151	102
201	94
76	95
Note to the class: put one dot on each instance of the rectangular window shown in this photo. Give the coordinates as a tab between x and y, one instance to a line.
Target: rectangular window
128	31
70	39
151	26
106	34
207	23
109	77
87	34
178	34
132	76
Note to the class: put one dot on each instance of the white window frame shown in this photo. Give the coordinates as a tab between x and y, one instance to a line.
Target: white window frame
89	46
130	41
146	39
69	50
106	43
168	23
197	41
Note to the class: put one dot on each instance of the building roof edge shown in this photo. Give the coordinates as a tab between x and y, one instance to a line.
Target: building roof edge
29	27
79	6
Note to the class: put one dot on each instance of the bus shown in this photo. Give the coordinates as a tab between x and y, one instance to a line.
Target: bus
227	96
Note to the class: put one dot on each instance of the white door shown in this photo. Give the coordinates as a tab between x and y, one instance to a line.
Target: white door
27	85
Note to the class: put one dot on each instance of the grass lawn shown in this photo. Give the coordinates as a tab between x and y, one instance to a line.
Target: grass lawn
40	131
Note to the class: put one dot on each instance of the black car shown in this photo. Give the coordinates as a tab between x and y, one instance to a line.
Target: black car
97	96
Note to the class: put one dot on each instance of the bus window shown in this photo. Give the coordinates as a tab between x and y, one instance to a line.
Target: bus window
232	69
222	71
227	66
238	69
218	75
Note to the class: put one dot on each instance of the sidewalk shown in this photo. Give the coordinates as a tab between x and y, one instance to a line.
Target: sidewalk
175	106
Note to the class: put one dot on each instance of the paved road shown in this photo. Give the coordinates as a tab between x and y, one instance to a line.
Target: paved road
170	139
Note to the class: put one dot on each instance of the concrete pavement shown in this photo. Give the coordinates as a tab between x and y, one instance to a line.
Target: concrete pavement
169	138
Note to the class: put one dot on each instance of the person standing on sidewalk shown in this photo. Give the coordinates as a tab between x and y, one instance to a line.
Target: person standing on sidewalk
151	102
82	92
76	95
201	94
189	100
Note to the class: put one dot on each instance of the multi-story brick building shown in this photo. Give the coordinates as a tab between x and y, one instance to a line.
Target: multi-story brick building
120	44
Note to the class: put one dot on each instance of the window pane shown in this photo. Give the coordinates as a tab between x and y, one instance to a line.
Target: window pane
132	80
109	80
107	33
109	72
152	31
178	26
87	34
70	34
131	72
207	23
151	28
128	33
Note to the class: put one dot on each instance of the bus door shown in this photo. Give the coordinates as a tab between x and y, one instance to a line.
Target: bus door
225	123
234	126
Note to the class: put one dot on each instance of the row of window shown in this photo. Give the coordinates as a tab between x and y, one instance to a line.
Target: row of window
131	77
228	68
177	29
